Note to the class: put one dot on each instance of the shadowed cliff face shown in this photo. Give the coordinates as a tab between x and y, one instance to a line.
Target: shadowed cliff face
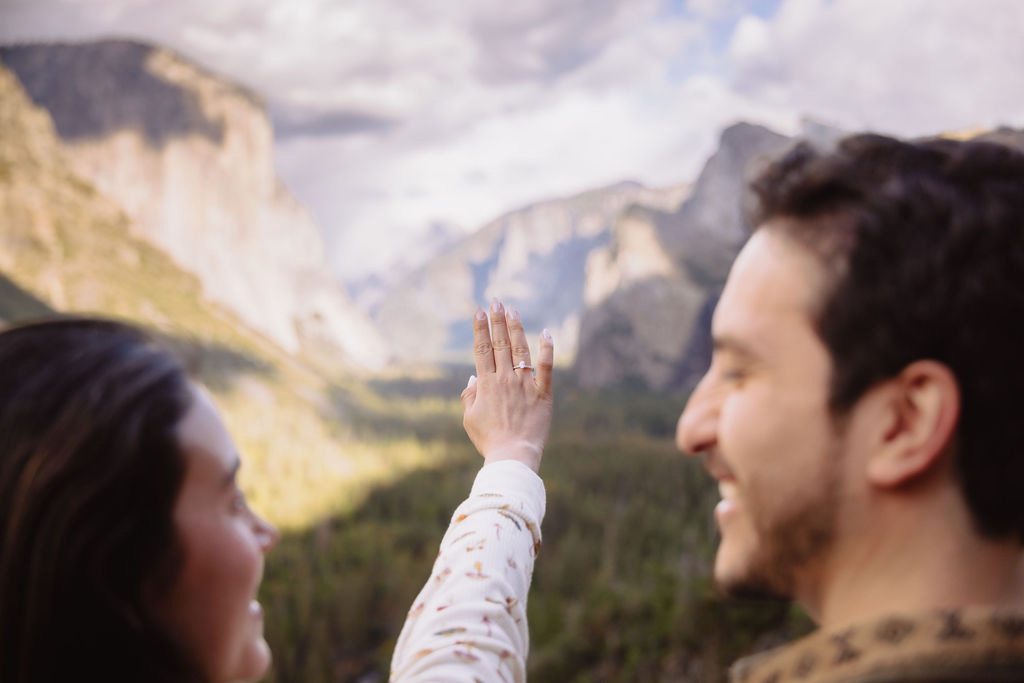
651	292
93	90
17	304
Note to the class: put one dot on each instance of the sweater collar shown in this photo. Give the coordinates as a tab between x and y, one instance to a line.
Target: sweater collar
944	643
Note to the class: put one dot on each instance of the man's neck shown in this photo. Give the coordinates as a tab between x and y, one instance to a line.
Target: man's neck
916	558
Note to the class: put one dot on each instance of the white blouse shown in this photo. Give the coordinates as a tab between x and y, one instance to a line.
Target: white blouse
469	621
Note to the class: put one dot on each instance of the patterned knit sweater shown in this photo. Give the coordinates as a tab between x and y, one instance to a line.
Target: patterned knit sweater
974	644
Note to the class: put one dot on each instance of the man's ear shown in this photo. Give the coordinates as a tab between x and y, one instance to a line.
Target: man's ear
921	407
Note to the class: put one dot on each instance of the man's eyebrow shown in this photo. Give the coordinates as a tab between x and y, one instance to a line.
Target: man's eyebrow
229	478
732	345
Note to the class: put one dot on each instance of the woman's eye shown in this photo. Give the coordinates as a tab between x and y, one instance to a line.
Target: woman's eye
238	502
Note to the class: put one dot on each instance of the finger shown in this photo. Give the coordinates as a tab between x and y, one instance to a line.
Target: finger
469	394
499	339
483	353
545	364
517	338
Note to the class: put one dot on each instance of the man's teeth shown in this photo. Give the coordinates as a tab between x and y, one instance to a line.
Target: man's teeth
727	490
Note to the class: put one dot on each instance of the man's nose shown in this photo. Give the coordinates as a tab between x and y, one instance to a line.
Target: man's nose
697	429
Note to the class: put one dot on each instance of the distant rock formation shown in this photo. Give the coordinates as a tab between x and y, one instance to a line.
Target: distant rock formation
624	276
369	291
188	156
534	259
651	290
1011	137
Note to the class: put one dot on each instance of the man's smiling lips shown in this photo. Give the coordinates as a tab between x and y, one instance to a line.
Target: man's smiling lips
726	506
727	488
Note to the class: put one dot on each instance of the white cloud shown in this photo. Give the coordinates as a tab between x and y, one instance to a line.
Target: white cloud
406	113
714	9
912	67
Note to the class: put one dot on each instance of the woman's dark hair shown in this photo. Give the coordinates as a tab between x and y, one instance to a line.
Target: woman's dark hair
924	246
89	471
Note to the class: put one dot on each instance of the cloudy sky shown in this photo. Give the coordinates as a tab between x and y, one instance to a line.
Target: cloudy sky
393	115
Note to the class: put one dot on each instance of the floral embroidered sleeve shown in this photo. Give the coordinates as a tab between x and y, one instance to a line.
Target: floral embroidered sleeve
469	621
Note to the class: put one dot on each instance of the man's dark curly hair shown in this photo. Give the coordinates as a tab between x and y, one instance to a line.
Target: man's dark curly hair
924	246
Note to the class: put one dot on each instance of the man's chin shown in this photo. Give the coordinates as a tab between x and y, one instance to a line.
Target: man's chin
748	581
750	589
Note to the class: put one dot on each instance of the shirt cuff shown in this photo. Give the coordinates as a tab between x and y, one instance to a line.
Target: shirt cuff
514	479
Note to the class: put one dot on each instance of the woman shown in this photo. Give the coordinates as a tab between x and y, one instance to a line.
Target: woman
127	551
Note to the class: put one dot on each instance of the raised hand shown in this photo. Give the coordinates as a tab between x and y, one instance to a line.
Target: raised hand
507	406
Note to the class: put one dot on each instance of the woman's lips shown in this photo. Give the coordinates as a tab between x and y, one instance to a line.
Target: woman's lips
255	609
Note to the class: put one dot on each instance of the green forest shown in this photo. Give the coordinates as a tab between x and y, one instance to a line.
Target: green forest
621	591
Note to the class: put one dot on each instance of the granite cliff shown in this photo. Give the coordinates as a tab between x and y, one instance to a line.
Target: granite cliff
650	292
188	157
65	247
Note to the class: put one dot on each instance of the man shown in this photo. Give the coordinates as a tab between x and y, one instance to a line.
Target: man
860	415
861	412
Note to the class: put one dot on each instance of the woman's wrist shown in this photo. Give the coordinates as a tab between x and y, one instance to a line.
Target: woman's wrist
529	454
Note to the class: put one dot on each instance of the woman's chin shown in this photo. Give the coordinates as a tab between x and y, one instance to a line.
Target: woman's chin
256	663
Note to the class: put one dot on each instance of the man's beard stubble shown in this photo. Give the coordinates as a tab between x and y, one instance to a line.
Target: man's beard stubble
787	542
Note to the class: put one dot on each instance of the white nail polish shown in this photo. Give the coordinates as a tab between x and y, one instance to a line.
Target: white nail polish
472	381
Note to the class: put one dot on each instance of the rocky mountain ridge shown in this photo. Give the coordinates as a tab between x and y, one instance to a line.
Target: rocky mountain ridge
651	292
533	258
625	277
188	156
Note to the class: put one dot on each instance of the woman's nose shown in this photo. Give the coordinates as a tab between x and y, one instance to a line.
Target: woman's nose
266	533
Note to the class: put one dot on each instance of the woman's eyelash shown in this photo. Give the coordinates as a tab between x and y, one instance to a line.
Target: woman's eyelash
238	501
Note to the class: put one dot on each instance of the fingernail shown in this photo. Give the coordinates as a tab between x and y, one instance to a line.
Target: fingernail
471	382
480	315
495	305
513	314
546	334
